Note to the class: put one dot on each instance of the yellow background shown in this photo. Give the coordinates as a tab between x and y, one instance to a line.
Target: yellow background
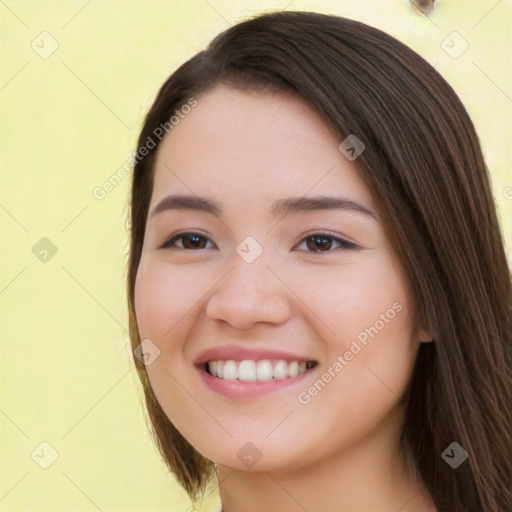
68	122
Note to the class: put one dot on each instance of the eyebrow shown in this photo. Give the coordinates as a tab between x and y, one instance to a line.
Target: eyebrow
280	208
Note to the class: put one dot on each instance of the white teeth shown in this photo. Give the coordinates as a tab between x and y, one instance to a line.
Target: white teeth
251	371
281	370
230	371
220	369
264	370
293	369
247	370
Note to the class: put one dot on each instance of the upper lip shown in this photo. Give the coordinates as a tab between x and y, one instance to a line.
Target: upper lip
237	353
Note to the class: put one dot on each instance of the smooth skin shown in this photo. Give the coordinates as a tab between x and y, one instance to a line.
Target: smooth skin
304	294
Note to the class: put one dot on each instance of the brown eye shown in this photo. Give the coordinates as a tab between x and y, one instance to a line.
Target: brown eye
323	242
190	241
317	242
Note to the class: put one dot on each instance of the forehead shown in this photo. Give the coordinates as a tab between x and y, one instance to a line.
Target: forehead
254	147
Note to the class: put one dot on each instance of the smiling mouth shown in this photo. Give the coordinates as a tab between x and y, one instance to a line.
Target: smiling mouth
264	370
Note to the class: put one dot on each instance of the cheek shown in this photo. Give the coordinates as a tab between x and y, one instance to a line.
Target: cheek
367	310
162	298
335	306
354	297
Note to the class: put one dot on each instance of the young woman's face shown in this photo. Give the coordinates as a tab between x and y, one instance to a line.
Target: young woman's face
262	282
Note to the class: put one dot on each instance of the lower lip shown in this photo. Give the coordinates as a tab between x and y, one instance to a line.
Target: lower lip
244	389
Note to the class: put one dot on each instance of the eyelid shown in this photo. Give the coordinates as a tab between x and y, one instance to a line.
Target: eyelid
344	242
176	236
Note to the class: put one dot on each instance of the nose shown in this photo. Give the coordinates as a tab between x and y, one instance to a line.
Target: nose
249	293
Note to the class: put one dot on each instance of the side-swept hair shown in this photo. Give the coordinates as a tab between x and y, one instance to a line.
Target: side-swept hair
424	167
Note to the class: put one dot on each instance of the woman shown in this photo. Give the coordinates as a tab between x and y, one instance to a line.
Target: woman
317	278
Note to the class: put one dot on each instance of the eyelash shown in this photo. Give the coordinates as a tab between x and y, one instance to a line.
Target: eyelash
345	244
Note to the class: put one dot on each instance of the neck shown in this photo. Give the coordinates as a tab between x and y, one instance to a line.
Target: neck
370	475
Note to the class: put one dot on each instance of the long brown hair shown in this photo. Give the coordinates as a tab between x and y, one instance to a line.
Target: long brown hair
424	168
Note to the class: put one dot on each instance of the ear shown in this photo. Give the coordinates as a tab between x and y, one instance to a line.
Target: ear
425	336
